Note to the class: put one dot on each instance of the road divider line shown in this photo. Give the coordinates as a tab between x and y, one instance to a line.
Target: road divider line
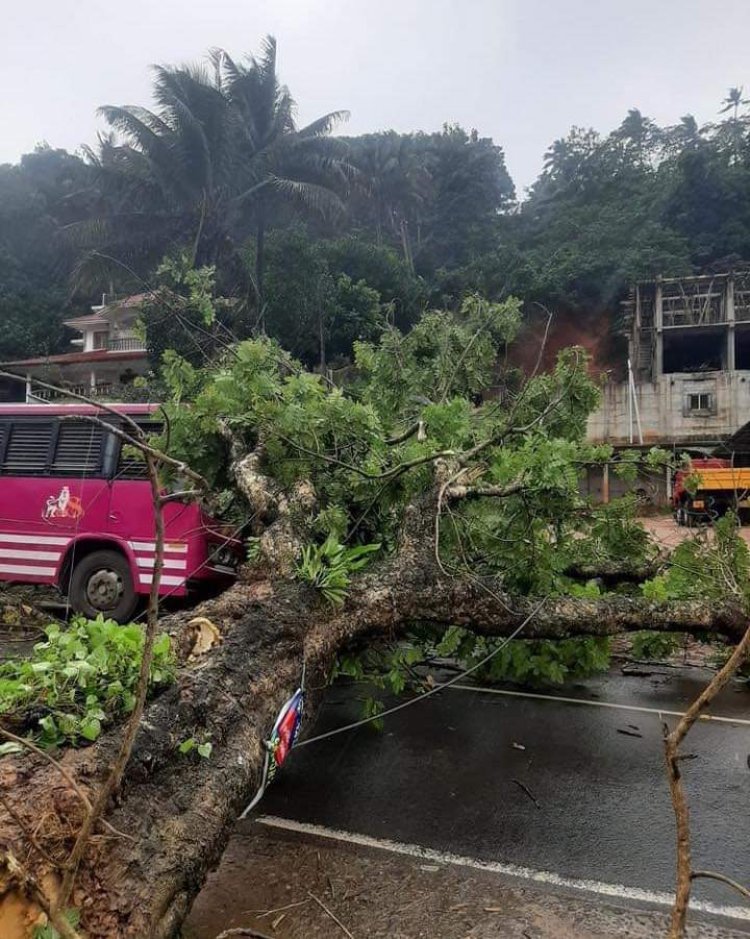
597	704
548	878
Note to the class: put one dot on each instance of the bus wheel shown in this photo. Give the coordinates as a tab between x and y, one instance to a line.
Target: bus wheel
102	584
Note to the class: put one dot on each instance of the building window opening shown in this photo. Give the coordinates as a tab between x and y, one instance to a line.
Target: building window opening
101	339
742	349
700	402
694	353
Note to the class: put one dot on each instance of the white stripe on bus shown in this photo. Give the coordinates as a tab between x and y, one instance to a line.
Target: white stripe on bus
170	546
174	563
166	580
27	569
16	554
36	539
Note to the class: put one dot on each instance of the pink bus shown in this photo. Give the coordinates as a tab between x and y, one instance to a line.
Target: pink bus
76	512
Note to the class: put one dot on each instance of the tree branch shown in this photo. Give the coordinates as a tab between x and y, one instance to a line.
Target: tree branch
672	743
115	775
76	397
416	428
455	493
31	886
37	751
722	878
139	442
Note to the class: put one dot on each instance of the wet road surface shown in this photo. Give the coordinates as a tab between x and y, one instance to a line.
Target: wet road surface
585	799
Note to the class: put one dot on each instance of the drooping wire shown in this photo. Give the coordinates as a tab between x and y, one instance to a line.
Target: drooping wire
430	691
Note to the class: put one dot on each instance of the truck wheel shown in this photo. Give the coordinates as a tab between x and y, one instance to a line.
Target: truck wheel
102	584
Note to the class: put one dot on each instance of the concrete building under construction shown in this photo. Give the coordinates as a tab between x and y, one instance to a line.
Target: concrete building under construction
689	352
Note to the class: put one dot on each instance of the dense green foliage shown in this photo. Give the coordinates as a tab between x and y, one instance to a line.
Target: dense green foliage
345	440
35	263
329	567
78	680
324	239
392	259
709	566
370	446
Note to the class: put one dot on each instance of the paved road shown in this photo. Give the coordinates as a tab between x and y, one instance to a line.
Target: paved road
445	775
668	534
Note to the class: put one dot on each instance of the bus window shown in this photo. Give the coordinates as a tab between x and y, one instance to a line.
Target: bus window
27	450
131	463
78	450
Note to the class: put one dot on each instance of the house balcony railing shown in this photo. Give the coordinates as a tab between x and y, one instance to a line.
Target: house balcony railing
101	390
126	344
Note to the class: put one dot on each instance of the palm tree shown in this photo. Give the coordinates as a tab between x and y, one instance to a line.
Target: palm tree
685	136
732	131
279	166
220	159
162	178
396	176
733	101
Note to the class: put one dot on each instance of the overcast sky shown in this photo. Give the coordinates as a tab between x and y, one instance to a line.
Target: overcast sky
520	71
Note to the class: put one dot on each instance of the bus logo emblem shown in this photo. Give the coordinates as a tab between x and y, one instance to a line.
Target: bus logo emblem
63	505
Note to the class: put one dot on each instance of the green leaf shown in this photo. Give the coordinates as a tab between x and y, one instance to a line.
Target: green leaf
80	679
91	727
10	747
162	645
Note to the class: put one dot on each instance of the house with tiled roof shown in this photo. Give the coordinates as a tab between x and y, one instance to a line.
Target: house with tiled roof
108	353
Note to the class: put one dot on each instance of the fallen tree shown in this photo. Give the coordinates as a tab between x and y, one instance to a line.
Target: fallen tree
180	811
479	516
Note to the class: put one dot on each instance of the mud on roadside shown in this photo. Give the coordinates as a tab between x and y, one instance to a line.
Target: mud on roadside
268	881
24	611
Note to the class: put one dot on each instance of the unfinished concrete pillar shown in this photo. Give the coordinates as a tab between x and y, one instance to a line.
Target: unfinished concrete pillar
729	316
635	339
658	331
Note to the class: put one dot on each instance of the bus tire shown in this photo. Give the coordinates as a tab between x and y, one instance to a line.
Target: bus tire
103	585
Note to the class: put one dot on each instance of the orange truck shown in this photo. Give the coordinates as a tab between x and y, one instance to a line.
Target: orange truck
708	488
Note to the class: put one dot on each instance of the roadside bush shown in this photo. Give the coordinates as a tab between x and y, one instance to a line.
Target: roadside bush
81	678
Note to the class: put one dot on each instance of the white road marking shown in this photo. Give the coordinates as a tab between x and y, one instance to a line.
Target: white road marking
549	878
596	704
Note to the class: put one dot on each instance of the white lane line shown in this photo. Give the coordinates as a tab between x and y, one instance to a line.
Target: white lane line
596	704
550	878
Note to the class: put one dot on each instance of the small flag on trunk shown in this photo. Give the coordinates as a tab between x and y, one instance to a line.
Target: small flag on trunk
280	742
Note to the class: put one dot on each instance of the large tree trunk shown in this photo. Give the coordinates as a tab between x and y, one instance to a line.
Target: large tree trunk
180	809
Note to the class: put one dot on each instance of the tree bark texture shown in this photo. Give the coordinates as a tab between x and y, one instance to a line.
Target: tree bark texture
178	810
